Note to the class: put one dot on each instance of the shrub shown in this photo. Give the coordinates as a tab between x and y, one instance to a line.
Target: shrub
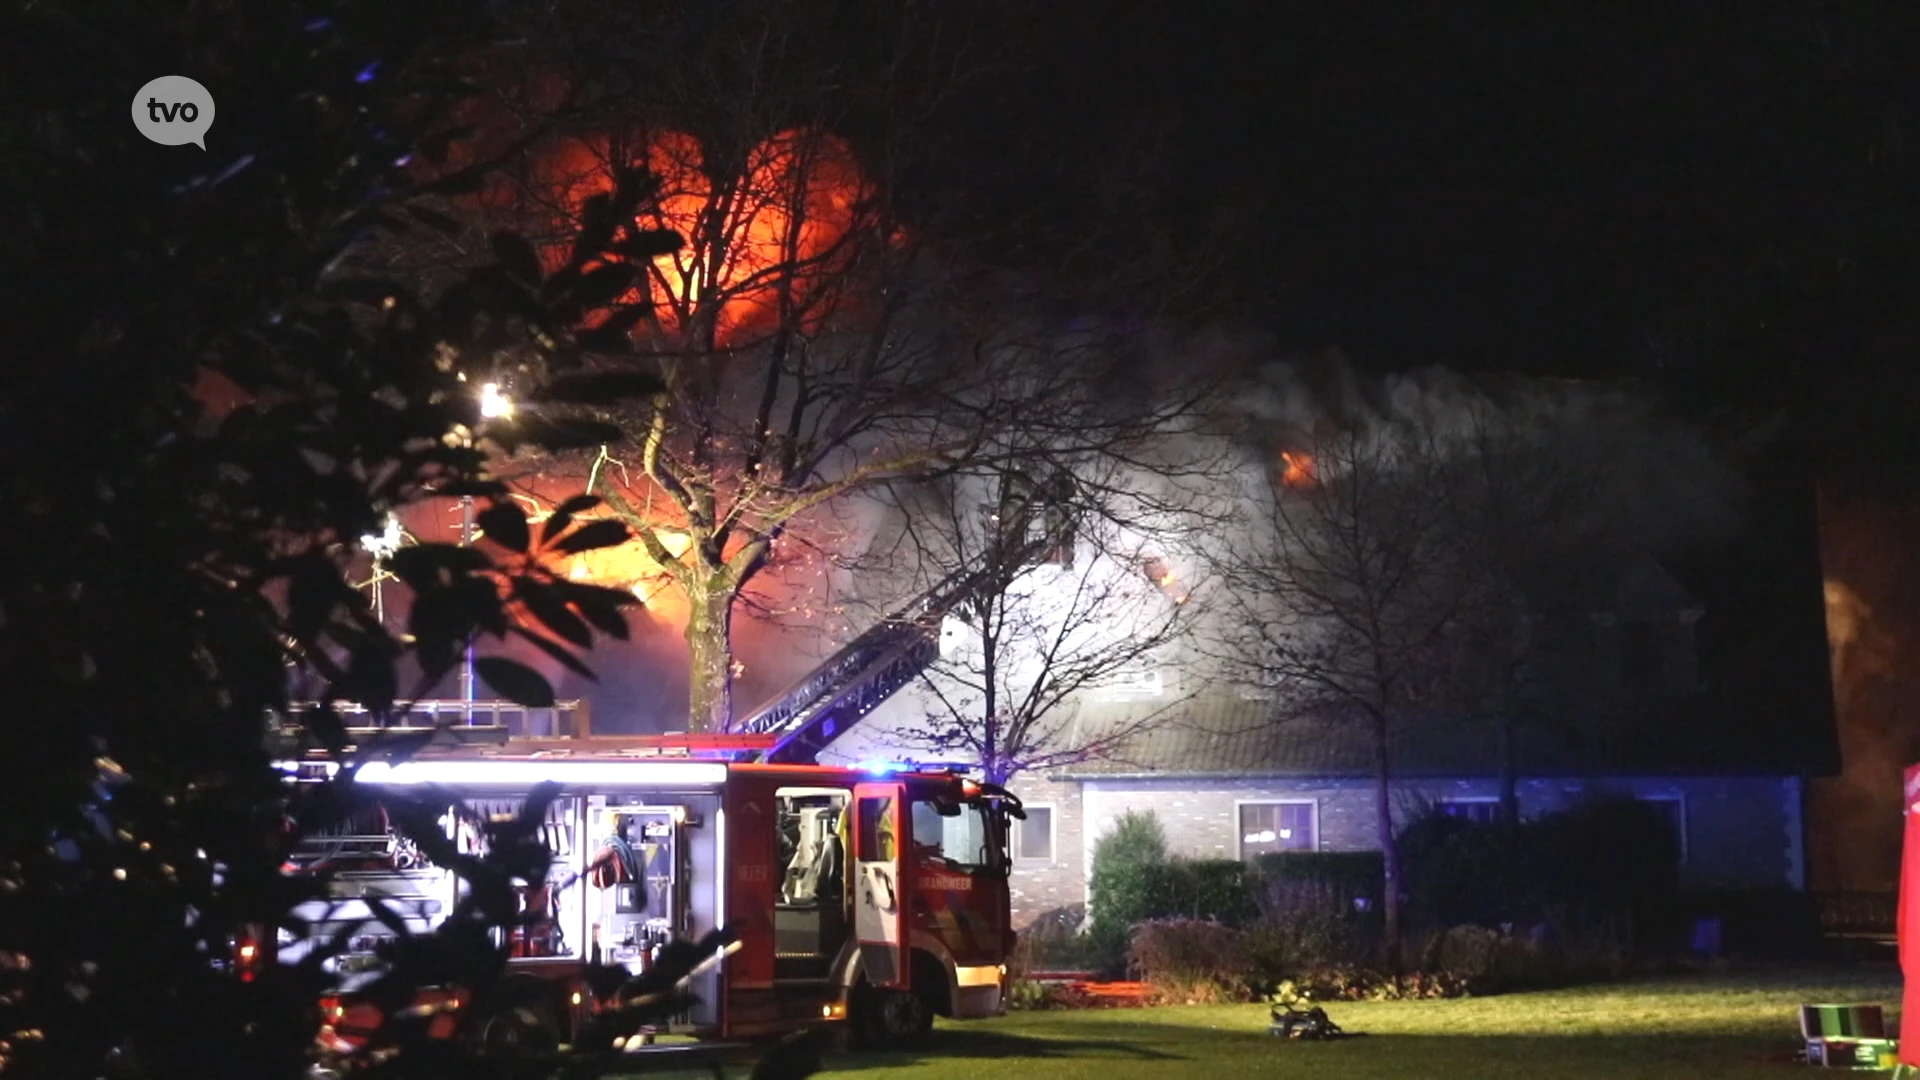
1024	995
1350	983
1609	858
1192	960
1490	962
1217	889
1481	874
1125	879
1604	867
1287	880
1316	908
1285	945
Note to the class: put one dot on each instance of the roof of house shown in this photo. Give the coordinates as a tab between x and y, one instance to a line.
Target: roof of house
1636	587
1766	707
1225	735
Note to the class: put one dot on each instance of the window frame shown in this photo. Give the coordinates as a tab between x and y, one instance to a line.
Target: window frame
1020	857
1240	828
1471	800
1128	682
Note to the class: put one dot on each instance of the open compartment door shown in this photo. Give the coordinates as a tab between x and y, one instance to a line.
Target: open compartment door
879	891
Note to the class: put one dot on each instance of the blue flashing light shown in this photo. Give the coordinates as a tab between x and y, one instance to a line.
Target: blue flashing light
888	768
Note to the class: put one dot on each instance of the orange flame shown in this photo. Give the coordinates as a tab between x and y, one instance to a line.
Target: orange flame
762	246
1298	472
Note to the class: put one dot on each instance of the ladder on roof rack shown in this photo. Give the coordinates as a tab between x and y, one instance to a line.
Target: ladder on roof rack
891	653
458	723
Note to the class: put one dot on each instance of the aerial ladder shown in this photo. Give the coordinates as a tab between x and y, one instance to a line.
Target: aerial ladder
809	715
806	717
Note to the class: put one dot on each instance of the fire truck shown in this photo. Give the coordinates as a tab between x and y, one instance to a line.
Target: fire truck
873	897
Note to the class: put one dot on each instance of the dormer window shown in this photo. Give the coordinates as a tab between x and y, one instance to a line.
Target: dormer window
1147	675
1650	654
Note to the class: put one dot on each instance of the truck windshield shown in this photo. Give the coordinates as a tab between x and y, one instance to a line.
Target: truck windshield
964	840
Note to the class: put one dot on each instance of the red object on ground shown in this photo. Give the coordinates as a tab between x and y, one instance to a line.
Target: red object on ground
1130	992
1909	923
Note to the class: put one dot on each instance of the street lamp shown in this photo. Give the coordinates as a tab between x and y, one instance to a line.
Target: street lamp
494	405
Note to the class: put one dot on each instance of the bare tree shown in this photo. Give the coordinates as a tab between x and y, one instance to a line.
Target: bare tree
815	334
1348	598
1521	506
1401	572
1091	588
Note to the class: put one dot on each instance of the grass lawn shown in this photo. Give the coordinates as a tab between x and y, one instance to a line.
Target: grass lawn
1728	1027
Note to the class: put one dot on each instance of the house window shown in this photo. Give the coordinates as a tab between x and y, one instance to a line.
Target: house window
1675	809
1478	811
1266	828
1141	676
1033	838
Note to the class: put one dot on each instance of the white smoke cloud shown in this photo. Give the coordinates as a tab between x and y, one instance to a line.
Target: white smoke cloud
1661	477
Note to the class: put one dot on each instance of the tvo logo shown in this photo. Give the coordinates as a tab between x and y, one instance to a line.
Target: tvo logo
174	110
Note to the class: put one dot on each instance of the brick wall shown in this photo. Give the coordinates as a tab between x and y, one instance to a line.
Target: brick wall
1740	831
1041	886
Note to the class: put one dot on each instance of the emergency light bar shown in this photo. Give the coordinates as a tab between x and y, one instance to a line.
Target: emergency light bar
528	773
888	768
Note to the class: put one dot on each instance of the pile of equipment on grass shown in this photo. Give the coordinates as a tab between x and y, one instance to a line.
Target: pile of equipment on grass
1296	1020
1847	1037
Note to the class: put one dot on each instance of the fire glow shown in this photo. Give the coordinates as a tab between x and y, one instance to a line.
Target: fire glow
765	246
1297	469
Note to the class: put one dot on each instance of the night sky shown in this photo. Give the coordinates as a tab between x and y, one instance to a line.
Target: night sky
1597	190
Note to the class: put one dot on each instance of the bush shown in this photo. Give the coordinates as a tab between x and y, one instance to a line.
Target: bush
1484	874
1289	880
1350	983
1609	858
1122	885
1217	889
1316	909
1606	867
1125	878
1488	961
1196	961
1285	945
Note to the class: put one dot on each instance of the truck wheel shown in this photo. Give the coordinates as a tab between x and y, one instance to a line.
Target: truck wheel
521	1029
892	1019
522	1018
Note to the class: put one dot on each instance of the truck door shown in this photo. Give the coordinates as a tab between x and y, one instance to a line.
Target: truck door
879	894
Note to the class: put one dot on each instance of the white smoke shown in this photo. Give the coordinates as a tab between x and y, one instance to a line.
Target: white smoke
1659	476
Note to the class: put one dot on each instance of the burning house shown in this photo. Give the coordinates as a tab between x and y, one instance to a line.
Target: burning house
1616	644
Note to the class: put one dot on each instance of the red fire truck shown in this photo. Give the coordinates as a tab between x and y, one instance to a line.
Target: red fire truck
873	896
